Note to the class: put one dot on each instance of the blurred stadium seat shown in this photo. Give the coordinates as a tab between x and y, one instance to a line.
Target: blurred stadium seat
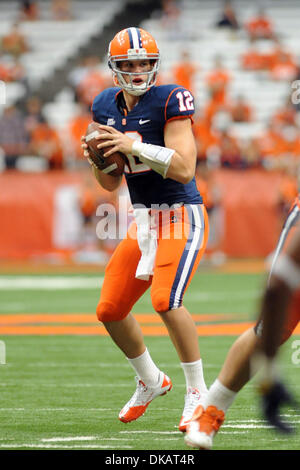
205	42
52	42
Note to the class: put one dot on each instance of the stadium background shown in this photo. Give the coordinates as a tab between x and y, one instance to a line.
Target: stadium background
52	64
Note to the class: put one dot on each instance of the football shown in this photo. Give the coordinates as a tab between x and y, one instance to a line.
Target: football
112	165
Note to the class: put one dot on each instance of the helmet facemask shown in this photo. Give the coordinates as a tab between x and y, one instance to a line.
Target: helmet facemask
119	75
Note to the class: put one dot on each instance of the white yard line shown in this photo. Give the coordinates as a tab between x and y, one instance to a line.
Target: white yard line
179	433
90	438
64	385
66	409
53	446
69	439
49	282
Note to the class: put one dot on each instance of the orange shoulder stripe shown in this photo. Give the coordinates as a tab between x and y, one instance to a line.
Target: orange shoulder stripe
168	99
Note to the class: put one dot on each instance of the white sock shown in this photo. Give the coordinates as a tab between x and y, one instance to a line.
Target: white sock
193	372
145	368
220	396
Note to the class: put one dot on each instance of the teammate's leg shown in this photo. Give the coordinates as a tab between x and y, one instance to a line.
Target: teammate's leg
238	366
236	371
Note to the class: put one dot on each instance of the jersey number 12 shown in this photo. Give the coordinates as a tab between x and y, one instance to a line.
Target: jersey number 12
186	101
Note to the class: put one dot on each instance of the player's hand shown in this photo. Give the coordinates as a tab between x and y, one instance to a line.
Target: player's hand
120	142
273	398
85	149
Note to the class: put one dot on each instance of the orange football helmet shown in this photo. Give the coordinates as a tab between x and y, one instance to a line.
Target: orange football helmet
133	44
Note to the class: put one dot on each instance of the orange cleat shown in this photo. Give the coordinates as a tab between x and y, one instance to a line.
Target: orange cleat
203	426
142	397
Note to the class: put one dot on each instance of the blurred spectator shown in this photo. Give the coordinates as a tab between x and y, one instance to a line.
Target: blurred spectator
204	184
76	129
217	82
92	249
280	147
225	152
88	202
228	17
62	10
184	71
171	17
212	198
240	110
29	11
204	135
291	138
33	115
18	72
215	111
283	66
12	70
253	59
250	152
270	142
78	72
92	82
45	142
5	73
276	53
13	136
229	151
260	26
286	115
14	43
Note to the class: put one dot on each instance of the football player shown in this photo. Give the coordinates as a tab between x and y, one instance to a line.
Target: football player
152	126
258	346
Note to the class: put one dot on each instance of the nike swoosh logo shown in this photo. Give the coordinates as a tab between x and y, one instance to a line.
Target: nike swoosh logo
141	122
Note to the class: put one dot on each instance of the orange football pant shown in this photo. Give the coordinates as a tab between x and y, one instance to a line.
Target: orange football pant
181	241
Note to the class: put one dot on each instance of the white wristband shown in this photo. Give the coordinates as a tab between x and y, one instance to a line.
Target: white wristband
156	157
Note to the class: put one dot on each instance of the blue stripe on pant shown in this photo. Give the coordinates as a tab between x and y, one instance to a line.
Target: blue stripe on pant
189	255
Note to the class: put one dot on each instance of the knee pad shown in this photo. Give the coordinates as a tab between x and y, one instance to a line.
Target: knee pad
161	300
108	311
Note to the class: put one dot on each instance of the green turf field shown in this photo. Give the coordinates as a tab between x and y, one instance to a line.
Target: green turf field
65	392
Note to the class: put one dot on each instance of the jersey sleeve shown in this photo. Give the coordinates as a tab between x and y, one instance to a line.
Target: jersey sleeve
102	103
179	104
96	109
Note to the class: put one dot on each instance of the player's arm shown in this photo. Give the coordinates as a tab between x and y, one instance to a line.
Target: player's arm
178	136
176	160
108	182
